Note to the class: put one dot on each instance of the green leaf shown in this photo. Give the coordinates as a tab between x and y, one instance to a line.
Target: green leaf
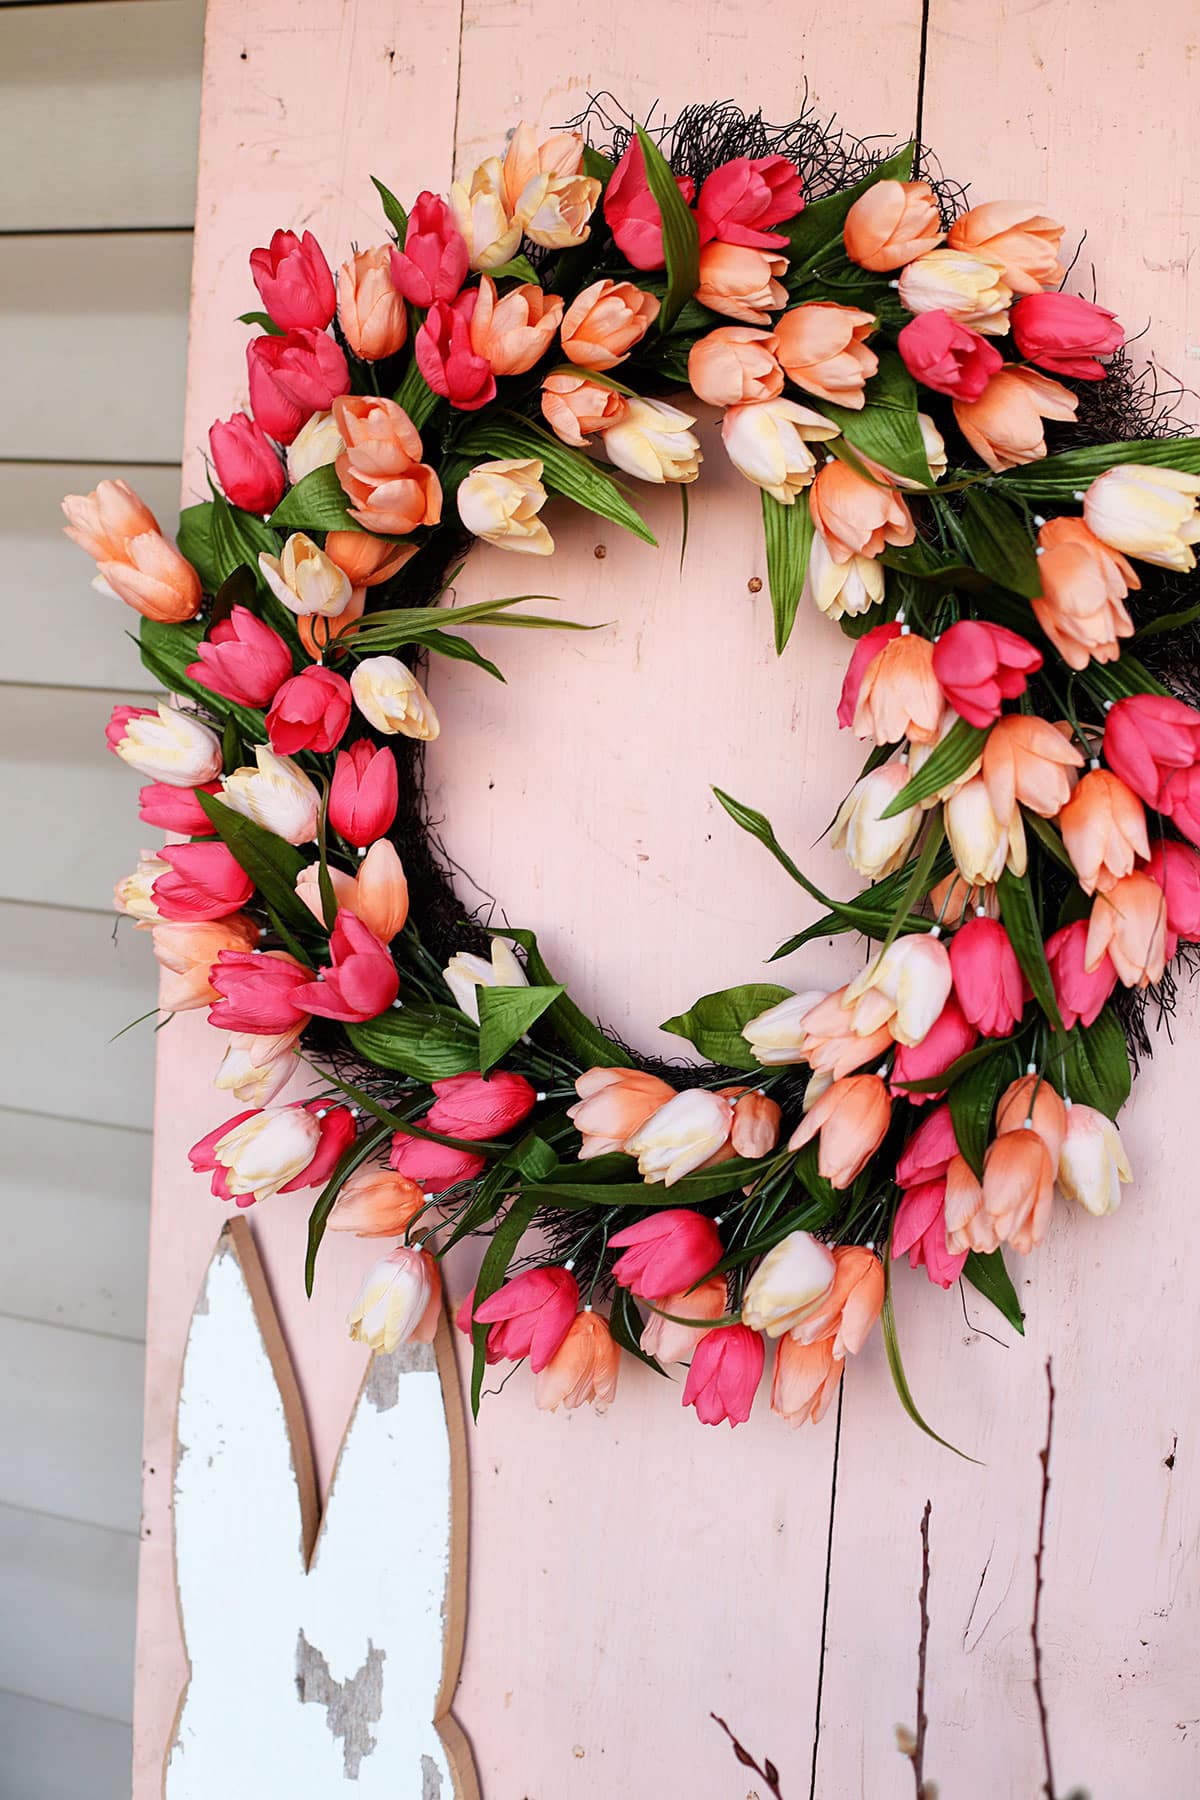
573	1027
519	268
625	1323
1019	914
194	538
681	236
788	535
238	537
972	1102
879	906
1046	835
953	756
418	1042
506	1014
352	1157
393	212
271	864
460	650
970	1059
264	321
1072	471
494	1268
885	428
565	471
989	1276
817	232
713	1024
996	538
891	1345
1096	1069
601	168
415	395
317	503
693	1190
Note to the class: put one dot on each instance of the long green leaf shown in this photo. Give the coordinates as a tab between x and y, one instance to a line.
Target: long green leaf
506	1014
1061	477
565	471
693	1190
317	503
713	1024
417	1042
891	1345
788	536
681	236
352	1158
1097	1064
959	748
972	1103
885	428
271	864
393	212
988	1275
1024	929
416	396
494	1268
920	881
997	539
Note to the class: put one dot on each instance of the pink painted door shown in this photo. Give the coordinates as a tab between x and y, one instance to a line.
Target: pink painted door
632	1572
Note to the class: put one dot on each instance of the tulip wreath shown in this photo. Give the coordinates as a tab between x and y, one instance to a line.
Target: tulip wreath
889	364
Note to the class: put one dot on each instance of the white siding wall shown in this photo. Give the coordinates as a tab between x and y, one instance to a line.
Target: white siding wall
98	119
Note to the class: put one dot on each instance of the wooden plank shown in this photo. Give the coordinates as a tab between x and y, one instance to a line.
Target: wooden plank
1051	117
71	1586
66	987
49	1752
74	1213
115	88
70	1411
72	637
93	336
55	767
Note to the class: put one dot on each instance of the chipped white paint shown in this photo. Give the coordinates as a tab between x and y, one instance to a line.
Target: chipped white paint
308	1678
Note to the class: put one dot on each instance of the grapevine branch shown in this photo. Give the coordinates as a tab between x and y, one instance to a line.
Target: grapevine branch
766	1768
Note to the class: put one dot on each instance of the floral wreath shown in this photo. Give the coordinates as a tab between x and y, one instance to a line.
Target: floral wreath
889	364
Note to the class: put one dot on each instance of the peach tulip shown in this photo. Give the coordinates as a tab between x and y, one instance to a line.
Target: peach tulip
806	1381
969	288
400	1301
983	845
390	698
582	1370
842	589
1093	1165
317	444
768	442
376	1202
367	561
1018	1189
850	1121
735	364
305	580
256	1068
1004	426
1103	828
900	696
390	489
655	442
793	1280
1150	513
545	188
741	283
605	321
876	846
134	560
829	1039
377	894
1129	923
851	1305
1031	1104
499	502
968	1226
612	1105
466	973
1026	760
1084	583
276	794
756	1122
513	333
893	223
370	311
484	219
186	954
1022	240
904	988
105	522
857	516
680	1135
669	1341
575	408
822	349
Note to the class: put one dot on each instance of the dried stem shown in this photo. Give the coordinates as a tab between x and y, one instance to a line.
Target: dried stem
766	1768
1035	1630
918	1751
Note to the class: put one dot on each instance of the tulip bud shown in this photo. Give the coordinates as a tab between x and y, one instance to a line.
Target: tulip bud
891	224
134	893
655	442
480	1106
242	659
821	347
392	699
257	1069
666	1339
612	1104
1092	1165
164	743
604	322
376	1202
791	1282
667	1250
370	311
1020	239
850	1121
733	365
433	263
744	195
500	502
681	1135
315	446
1066	334
876	846
448	360
583	1370
304	579
741	283
399	1302
905	988
724	1375
390	489
310	712
466	973
514	333
1150	513
1004	426
575	408
361	980
256	994
632	212
247	467
294	281
363	794
970	288
768	442
531	1315
276	794
777	1036
255	1155
487	227
186	955
291	378
806	1381
204	881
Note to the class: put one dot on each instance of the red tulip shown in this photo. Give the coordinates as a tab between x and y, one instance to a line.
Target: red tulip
249	471
310	712
363	794
920	1229
291	378
176	809
665	1252
865	651
948	357
531	1315
480	1106
242	659
433	263
979	666
1176	869
1080	992
929	1151
257	992
206	882
294	281
435	1166
447	361
633	213
361	981
1065	334
1146	738
746	194
987	976
727	1365
950	1036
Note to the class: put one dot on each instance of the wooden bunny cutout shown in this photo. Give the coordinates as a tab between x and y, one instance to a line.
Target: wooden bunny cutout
323	1657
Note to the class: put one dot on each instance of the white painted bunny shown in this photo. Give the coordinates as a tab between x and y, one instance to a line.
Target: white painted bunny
310	1678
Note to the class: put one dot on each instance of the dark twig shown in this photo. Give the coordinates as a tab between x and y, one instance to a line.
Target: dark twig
766	1768
912	1744
1039	1693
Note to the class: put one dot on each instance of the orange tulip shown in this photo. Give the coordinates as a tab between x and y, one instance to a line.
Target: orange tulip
741	283
806	1379
1030	1103
850	1121
1018	1189
583	1368
891	224
605	321
154	579
378	894
1103	826
370	311
315	629
1129	924
376	1202
367	560
613	1104
1084	583
856	516
1004	426
104	521
186	954
829	1043
1019	237
513	333
852	1305
900	696
575	408
1026	760
968	1226
756	1120
822	349
733	365
954	899
390	489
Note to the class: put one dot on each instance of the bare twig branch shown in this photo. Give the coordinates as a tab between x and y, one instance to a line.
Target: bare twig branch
1035	1630
912	1744
766	1768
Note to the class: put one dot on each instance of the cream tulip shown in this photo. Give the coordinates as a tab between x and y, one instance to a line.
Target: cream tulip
1153	514
317	444
466	973
500	502
842	589
166	744
267	1150
1092	1163
681	1135
256	1069
391	698
276	794
981	846
655	442
777	1035
790	1284
876	846
399	1301
305	580
969	287
134	893
768	442
905	988
491	233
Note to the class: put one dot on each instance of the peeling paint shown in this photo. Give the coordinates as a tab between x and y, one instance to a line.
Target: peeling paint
351	1706
382	1387
431	1779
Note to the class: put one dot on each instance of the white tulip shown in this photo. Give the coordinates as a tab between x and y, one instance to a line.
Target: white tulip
167	745
466	973
267	1150
876	846
790	1284
277	795
681	1135
315	445
1092	1164
395	1300
767	441
499	502
776	1036
305	580
655	442
389	695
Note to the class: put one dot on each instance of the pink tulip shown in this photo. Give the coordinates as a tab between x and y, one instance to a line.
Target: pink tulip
1147	737
464	1319
979	666
435	1166
242	659
206	881
920	1229
291	378
361	981
1081	992
249	471
632	211
433	263
531	1315
949	1037
294	281
176	809
257	992
273	1150
665	1252
948	357
865	651
480	1106
447	361
1180	801
1065	334
929	1151
724	1375
363	794
1177	872
988	981
744	195
310	712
